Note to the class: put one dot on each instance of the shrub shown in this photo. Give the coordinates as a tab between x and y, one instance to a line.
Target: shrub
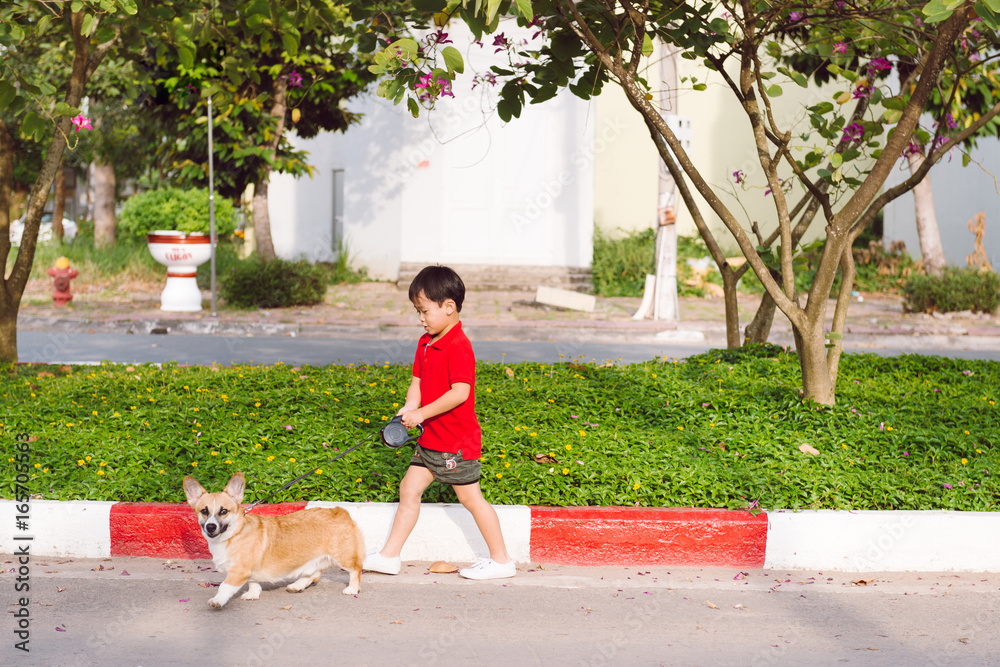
620	265
176	209
956	290
275	284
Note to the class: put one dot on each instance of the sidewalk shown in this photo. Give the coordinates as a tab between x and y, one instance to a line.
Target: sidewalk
381	310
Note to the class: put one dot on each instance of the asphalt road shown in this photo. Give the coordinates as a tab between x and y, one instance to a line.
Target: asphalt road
75	348
144	611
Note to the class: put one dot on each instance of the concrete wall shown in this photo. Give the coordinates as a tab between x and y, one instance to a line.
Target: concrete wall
453	186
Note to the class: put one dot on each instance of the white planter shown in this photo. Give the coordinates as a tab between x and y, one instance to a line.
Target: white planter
181	254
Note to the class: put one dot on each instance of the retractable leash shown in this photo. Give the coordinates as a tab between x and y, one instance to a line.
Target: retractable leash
393	435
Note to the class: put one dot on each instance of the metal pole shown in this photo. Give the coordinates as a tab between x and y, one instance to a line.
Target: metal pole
211	200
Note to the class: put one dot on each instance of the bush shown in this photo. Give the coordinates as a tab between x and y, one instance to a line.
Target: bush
275	284
620	265
175	209
956	290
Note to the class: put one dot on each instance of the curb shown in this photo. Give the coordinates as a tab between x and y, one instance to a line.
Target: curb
863	541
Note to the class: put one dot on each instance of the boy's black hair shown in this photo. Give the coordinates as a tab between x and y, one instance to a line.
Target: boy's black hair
438	283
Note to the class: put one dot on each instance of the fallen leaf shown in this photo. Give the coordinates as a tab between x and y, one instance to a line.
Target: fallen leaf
60	628
808	449
964	640
397	623
543	458
709	603
738	606
287	608
860	582
442	567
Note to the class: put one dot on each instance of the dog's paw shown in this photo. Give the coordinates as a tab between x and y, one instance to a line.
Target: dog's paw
215	604
351	590
250	596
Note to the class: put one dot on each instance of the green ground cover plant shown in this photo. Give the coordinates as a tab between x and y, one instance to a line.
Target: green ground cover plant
955	290
724	429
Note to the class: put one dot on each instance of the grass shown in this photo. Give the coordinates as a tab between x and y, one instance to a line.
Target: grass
722	429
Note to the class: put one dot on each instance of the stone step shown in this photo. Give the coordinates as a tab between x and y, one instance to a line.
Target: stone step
502	278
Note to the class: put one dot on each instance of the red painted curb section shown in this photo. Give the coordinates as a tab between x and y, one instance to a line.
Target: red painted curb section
648	536
168	530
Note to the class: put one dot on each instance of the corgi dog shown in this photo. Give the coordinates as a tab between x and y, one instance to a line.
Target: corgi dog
297	546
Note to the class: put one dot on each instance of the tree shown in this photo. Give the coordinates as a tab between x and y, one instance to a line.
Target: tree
40	107
269	66
834	168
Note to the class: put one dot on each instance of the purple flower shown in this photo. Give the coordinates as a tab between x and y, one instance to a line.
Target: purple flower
739	176
288	427
947	486
879	64
906	453
489	78
445	85
81	123
853	132
439	37
501	42
863	92
795	16
294	79
840	47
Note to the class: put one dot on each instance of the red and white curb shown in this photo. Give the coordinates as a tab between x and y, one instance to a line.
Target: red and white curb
865	541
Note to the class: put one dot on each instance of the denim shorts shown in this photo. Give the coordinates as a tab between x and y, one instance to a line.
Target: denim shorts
447	467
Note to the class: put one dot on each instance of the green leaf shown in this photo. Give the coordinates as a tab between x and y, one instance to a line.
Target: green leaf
966	159
186	56
700	86
524	9
290	43
7	94
492	6
647	46
453	59
939	10
836	160
63	109
129	6
892	116
87	26
414	107
897	103
773	91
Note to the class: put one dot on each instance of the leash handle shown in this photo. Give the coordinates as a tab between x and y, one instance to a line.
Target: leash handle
395	435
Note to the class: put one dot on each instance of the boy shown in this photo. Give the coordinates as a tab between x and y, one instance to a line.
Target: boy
442	397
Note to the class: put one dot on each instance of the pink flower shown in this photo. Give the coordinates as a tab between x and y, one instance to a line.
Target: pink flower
81	123
294	79
947	486
840	47
853	132
288	427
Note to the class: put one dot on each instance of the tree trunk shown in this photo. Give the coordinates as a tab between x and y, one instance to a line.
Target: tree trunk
729	294
927	226
759	329
8	304
105	224
262	222
59	205
261	217
810	345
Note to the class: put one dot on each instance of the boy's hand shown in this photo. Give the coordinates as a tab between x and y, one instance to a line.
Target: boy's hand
411	418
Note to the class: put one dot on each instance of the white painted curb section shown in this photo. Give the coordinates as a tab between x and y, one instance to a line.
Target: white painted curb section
74	528
443	531
889	541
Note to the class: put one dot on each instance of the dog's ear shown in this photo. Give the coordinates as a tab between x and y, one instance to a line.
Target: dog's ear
236	486
193	490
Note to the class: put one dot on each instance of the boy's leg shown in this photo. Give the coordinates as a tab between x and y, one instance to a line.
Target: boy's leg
471	496
411	490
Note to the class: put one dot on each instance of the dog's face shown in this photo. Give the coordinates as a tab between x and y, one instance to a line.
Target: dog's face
218	513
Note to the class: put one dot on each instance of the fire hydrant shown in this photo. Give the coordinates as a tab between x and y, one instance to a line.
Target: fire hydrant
62	274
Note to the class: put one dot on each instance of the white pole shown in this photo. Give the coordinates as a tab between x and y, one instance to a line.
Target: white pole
211	200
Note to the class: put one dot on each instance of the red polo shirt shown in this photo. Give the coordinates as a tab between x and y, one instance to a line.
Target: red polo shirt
440	365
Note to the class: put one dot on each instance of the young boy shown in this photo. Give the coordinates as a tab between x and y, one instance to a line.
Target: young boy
442	397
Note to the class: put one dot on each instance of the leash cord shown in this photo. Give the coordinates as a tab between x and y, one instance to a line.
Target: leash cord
303	476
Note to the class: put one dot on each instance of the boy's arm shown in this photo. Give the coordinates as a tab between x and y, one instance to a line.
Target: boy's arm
449	400
412	396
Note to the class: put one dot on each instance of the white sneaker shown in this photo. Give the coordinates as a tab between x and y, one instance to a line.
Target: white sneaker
488	568
376	562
